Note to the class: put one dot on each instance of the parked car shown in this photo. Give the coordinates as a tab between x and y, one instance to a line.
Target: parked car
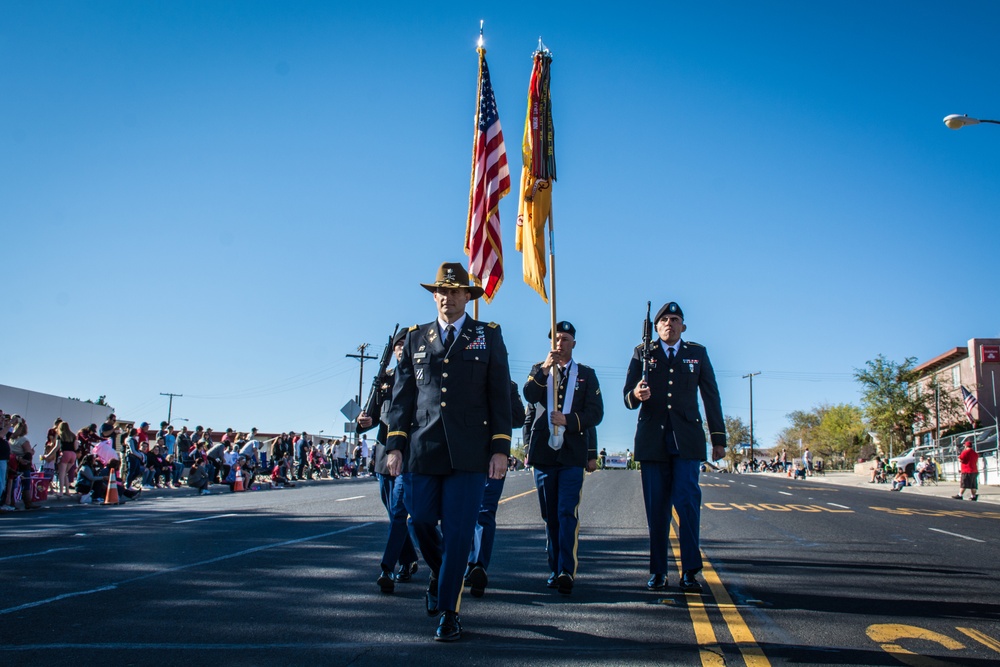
907	460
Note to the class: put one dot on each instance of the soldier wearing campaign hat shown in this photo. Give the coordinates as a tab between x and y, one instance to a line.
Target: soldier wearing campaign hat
670	439
562	443
451	421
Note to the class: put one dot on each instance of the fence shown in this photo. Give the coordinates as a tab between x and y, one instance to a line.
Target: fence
947	449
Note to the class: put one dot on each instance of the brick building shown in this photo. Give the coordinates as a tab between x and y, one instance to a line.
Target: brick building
976	366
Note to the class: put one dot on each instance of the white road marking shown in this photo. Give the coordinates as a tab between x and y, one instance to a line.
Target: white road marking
752	486
340	500
964	537
786	493
179	568
37	553
206	518
843	507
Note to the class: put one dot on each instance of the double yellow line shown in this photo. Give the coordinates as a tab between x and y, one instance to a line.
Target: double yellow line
709	649
708	644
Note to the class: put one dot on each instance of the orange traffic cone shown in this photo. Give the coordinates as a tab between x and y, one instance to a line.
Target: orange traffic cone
111	498
238	485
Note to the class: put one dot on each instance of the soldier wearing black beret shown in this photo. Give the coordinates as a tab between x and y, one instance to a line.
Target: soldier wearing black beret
575	408
670	440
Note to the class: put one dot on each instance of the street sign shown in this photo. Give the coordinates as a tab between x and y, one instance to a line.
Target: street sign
351	410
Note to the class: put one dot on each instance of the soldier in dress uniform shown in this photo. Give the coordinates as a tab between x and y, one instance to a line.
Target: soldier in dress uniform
399	547
476	577
451	419
559	461
670	440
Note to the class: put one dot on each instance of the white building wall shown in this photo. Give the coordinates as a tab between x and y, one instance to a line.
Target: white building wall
40	410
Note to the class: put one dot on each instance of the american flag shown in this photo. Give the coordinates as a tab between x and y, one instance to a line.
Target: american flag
490	182
970	402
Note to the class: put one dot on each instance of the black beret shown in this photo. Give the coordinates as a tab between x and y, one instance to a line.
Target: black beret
668	308
565	327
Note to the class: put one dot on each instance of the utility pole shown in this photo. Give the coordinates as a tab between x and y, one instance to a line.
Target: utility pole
750	375
361	356
170	406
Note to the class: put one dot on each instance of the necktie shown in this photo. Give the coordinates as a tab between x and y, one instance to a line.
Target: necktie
449	336
670	354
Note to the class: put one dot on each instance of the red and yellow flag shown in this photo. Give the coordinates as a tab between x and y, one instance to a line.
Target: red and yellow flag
537	175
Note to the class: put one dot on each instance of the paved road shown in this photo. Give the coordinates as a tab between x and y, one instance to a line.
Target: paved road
800	572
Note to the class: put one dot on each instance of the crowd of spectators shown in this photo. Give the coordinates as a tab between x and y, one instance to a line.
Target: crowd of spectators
81	465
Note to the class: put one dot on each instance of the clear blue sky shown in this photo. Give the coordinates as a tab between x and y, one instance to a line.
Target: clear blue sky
222	199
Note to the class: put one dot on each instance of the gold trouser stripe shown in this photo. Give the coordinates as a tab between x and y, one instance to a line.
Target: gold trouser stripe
576	533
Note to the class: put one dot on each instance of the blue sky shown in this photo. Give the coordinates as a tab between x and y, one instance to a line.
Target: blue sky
222	199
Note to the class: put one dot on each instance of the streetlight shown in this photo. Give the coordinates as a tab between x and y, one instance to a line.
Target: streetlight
957	122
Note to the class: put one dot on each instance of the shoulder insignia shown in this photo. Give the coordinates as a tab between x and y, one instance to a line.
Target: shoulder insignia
492	325
694	344
414	327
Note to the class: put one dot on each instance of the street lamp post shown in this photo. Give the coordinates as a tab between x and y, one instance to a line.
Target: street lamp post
958	121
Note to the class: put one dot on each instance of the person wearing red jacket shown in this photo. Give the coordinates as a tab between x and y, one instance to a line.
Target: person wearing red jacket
969	459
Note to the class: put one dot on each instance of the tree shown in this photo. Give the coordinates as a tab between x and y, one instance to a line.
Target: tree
101	400
802	430
737	434
841	432
889	406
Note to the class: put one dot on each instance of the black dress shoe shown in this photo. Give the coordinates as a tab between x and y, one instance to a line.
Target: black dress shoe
385	581
689	584
551	582
564	582
657	582
450	627
405	573
477	581
432	597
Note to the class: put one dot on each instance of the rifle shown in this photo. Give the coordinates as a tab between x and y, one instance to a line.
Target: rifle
647	338
383	365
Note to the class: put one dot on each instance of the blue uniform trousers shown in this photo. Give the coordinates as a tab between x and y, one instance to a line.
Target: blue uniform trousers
454	501
486	524
559	492
672	483
398	546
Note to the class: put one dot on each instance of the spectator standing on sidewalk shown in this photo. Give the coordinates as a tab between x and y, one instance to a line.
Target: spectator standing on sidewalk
969	470
21	454
807	461
4	458
108	431
67	456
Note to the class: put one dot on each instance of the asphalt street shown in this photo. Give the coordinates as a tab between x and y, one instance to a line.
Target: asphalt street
797	572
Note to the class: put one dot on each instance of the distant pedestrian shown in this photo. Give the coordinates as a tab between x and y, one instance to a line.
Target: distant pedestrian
807	461
969	459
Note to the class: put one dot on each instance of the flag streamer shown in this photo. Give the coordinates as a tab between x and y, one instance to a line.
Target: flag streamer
537	174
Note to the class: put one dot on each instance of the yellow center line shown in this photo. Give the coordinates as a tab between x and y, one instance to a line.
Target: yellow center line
711	653
983	639
708	646
517	496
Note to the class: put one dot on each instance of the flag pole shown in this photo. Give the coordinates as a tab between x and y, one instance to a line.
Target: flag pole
475	134
552	313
